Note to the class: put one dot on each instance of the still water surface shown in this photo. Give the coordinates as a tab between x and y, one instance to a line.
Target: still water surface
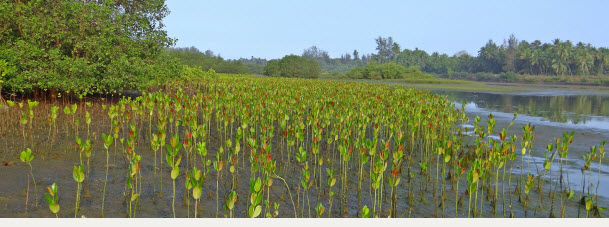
552	112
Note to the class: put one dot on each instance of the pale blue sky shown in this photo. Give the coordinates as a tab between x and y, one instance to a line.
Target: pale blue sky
272	29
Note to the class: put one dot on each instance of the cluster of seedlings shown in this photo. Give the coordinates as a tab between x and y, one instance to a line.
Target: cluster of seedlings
361	150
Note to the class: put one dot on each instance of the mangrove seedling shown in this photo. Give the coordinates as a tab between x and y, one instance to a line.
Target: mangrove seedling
134	168
365	212
331	182
255	198
27	157
108	139
319	210
79	176
218	165
172	151
230	203
53	199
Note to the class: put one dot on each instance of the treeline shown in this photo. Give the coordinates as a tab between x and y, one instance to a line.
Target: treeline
193	57
537	58
512	57
510	61
335	66
254	65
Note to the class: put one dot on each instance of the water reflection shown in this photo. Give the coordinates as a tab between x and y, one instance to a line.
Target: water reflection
575	109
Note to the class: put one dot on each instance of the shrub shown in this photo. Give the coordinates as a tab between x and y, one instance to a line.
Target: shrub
485	76
507	76
293	66
389	70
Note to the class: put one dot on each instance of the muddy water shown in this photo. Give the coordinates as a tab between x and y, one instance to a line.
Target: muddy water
55	165
552	112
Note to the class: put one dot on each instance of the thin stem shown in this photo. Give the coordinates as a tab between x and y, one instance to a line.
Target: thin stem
105	182
77	200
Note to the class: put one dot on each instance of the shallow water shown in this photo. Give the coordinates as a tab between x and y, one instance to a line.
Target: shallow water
552	112
54	164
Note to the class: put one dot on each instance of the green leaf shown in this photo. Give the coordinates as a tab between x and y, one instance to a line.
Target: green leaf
258	199
77	174
174	173
23	156
475	177
134	197
178	161
589	205
81	176
54	208
48	198
257	211
258	185
365	212
196	192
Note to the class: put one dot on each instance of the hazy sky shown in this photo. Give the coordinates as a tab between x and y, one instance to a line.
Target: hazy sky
272	29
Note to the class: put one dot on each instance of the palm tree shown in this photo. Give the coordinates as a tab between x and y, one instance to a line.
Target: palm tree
525	54
535	60
603	59
558	66
563	53
395	49
585	59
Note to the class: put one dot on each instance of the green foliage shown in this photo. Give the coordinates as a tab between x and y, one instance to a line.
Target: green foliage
78	174
52	198
196	59
389	70
365	212
293	66
5	69
26	156
255	198
95	46
507	76
514	57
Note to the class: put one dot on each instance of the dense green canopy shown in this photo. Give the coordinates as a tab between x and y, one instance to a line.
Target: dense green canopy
293	66
389	70
83	46
192	57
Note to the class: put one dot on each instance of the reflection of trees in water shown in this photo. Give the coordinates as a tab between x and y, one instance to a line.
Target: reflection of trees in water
576	109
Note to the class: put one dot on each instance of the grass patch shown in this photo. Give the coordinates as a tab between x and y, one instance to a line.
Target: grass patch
435	81
471	87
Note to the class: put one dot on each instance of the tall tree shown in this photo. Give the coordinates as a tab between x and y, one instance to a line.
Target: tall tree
395	50
510	53
491	56
384	49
